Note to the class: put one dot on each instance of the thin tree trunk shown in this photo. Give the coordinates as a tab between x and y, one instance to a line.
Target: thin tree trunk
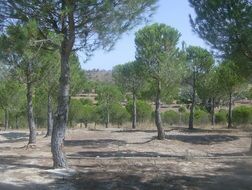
191	116
158	121
107	119
17	123
213	112
134	112
31	122
49	116
230	111
250	148
6	119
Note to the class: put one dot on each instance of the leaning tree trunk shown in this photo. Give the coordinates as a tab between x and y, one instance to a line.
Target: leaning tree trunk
49	116
158	121
134	112
31	122
6	119
213	112
191	116
230	111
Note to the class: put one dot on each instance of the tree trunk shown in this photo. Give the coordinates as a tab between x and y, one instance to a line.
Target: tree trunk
213	112
49	116
107	119
86	124
158	121
61	116
134	112
250	148
6	119
191	116
17	124
31	122
230	111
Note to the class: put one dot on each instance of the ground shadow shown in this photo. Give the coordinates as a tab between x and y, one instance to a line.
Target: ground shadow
202	130
30	186
237	176
99	143
119	154
202	139
15	162
13	137
134	131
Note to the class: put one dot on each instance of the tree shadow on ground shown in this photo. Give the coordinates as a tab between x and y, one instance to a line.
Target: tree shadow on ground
15	162
237	176
119	154
135	130
202	130
13	137
30	186
202	139
99	143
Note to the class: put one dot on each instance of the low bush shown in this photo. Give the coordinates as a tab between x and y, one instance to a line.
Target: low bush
201	117
171	117
182	109
185	118
144	110
242	115
221	117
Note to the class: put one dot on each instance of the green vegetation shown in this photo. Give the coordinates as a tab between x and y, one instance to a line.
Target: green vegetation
242	115
42	82
221	117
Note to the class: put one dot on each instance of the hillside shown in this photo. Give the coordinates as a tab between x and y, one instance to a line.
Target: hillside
99	75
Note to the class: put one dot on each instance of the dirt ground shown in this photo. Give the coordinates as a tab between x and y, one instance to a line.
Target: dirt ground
120	159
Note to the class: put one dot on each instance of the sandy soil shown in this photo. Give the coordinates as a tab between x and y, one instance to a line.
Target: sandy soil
130	159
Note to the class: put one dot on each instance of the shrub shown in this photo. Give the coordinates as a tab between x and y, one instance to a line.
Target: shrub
182	109
201	117
221	117
144	110
119	114
171	117
242	115
185	118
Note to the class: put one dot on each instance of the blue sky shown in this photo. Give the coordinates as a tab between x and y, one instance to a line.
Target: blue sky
174	13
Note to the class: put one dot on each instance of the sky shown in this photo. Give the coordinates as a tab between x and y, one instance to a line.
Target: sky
174	13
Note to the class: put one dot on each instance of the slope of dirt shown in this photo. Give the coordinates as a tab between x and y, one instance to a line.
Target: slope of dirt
130	159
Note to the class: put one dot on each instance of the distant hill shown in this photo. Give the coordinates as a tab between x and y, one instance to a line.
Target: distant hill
99	75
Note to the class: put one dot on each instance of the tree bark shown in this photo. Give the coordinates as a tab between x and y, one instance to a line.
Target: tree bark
134	112
61	116
158	121
191	116
31	122
49	116
107	119
6	119
213	112
17	124
250	148
230	111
